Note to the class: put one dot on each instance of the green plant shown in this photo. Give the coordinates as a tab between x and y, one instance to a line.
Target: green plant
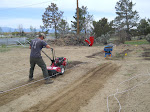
3	46
137	42
118	56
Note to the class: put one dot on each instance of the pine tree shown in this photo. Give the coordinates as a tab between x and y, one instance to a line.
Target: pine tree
102	27
144	27
63	27
126	17
51	17
84	19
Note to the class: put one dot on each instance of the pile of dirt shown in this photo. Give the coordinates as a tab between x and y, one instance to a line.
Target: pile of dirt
72	64
146	54
68	41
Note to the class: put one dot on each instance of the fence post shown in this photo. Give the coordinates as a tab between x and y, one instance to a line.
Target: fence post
24	40
7	41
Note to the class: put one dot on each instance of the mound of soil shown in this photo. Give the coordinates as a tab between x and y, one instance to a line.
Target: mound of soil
68	41
146	54
72	64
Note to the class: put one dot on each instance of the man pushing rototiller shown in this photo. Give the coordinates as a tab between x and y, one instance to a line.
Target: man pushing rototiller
57	67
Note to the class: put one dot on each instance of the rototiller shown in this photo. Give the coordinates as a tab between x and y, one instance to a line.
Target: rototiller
57	66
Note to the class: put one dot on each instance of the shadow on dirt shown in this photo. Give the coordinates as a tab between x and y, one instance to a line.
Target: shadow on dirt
96	54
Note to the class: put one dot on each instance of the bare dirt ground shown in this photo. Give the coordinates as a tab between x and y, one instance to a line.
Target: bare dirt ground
91	83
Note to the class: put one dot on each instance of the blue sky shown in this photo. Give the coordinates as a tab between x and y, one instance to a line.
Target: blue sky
29	12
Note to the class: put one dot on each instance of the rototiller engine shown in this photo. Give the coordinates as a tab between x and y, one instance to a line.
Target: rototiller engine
57	66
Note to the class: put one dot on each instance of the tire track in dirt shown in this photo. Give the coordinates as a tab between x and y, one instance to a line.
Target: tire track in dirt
12	95
71	98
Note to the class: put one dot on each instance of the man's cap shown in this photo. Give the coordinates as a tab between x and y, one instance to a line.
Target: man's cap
42	35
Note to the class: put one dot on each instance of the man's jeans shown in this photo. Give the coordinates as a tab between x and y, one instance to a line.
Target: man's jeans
41	64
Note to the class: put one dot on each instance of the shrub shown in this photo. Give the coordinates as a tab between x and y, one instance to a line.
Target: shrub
103	39
148	37
3	46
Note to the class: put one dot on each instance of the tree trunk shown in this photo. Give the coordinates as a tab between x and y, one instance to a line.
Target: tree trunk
128	30
85	34
55	31
128	38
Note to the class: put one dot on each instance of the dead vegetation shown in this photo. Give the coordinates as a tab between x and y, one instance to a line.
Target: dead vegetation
68	41
121	55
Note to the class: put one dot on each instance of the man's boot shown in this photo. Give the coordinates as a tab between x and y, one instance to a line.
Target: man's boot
30	79
48	81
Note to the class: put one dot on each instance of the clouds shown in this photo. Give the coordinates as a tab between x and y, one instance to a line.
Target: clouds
24	3
142	6
27	12
100	5
26	22
94	5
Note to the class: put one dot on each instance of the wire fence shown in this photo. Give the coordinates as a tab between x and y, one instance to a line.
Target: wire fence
23	41
126	90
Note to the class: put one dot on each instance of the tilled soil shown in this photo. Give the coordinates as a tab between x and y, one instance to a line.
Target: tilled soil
87	82
79	93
